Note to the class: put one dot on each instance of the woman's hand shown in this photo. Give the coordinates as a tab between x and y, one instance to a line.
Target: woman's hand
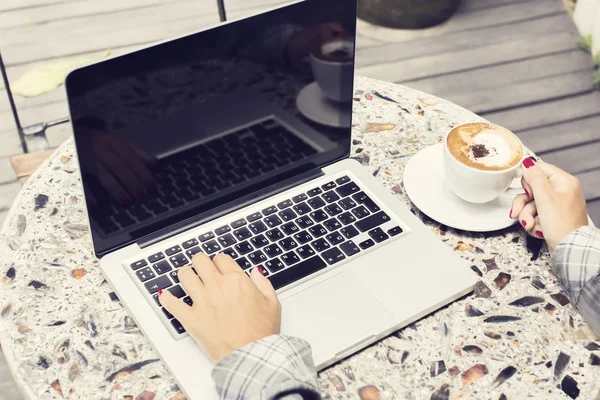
554	204
230	309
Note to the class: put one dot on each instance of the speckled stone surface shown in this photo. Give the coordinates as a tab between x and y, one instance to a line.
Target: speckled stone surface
66	335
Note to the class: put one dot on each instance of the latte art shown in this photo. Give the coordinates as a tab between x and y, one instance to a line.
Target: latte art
336	50
485	146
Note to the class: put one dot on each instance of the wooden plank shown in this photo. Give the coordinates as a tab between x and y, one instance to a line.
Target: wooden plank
7	5
548	138
449	42
470	58
547	114
590	183
473	5
576	159
593	209
524	93
504	74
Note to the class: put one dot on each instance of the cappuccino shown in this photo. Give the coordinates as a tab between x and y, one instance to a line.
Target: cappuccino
335	50
485	146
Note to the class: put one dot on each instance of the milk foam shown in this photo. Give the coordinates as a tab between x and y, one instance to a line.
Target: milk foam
500	153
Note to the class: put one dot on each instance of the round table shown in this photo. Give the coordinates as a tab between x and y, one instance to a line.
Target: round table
66	335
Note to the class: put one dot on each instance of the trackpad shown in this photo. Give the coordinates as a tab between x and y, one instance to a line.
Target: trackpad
334	315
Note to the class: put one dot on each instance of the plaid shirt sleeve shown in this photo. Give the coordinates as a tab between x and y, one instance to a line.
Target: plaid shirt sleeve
576	261
276	367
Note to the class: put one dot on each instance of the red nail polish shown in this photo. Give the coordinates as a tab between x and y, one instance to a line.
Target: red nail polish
539	233
527	193
524	223
528	162
160	292
259	268
510	213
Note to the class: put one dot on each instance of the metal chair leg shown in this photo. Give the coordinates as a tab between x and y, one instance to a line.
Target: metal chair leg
221	7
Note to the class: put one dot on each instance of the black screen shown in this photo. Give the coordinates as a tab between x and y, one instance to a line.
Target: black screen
168	134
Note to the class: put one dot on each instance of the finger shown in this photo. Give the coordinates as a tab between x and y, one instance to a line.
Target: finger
537	229
191	283
519	203
147	158
112	186
263	284
205	268
527	188
225	264
178	308
527	216
537	179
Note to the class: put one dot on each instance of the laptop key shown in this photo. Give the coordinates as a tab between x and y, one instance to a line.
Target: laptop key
274	235
259	241
274	265
346	218
378	235
269	210
273	221
333	256
211	247
305	251
177	291
227	240
265	272
284	204
257	227
395	231
145	274
290	228
243	248
301	270
138	264
167	314
299	198
156	300
273	250
238	223
320	245
189	243
347	189
349	231
206	236
366	244
319	215
342	180
334	238
347	203
230	252
179	260
317	231
242	233
243	263
360	212
155	257
162	282
188	300
222	230
333	209
287	215
359	197
316	203
254	216
328	186
372	222
258	257
194	250
349	248
177	326
288	244
174	275
332	224
304	222
303	237
371	205
314	192
162	267
290	258
330	196
172	250
302	208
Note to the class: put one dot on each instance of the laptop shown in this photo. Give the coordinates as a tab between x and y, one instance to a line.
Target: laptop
197	144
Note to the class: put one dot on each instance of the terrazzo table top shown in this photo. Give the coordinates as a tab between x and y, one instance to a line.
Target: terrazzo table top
66	335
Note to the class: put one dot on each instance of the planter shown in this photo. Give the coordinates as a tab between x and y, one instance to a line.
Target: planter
407	14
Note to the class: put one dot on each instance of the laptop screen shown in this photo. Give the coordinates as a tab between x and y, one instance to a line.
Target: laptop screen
169	134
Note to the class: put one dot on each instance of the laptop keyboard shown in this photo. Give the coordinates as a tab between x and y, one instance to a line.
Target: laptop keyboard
206	169
288	241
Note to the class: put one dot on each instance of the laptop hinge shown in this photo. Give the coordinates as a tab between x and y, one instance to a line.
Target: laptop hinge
228	208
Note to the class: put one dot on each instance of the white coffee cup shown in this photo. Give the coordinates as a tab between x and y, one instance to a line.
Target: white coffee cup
333	77
477	185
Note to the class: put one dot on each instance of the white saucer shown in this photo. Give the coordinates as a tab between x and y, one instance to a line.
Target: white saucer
313	104
425	186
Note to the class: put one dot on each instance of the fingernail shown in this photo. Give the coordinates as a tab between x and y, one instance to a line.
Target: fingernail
259	268
160	292
510	213
529	162
539	233
524	223
527	193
